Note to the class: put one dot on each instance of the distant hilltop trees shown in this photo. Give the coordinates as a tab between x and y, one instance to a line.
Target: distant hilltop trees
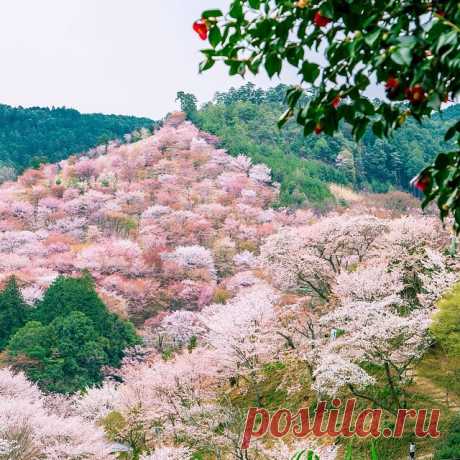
31	136
245	119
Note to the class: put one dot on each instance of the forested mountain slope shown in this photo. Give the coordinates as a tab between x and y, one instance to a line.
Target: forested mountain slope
245	120
32	135
235	304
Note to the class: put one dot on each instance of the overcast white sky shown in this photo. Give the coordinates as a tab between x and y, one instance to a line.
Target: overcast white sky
110	56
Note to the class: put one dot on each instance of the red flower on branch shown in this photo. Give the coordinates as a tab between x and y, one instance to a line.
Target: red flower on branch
421	182
392	83
416	94
320	20
335	102
201	28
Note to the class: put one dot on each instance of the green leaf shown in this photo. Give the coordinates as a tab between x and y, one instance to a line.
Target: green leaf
359	127
236	10
442	160
434	101
273	64
310	455
310	71
212	14
293	95
365	106
449	38
236	67
284	118
377	129
206	65
215	36
402	56
408	41
254	4
293	55
327	10
362	81
451	131
372	37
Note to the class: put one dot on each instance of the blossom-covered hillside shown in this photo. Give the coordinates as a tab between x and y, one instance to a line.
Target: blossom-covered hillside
238	304
157	223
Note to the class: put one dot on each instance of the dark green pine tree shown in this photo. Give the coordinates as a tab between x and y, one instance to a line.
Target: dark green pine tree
66	295
64	356
71	337
13	311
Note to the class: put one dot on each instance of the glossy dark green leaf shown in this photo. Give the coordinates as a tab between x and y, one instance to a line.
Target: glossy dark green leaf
284	118
372	38
402	56
215	36
205	65
447	39
273	64
452	130
362	81
310	71
212	14
236	9
442	161
359	127
377	129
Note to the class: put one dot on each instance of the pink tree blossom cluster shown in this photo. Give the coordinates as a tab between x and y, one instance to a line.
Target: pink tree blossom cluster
150	215
181	395
373	291
29	428
365	317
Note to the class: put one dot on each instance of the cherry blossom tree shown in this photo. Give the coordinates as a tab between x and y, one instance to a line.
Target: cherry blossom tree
28	429
260	173
368	283
242	332
311	257
292	265
177	330
190	258
113	256
373	333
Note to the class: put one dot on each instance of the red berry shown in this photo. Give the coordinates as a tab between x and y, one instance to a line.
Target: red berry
392	88
321	20
441	13
318	128
416	94
421	182
201	28
335	102
392	83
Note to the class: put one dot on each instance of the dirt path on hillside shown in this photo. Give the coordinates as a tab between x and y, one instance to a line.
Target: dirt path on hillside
438	393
